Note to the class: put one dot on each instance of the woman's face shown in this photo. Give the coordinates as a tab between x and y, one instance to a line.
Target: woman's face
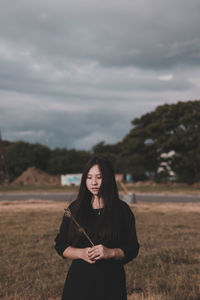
94	180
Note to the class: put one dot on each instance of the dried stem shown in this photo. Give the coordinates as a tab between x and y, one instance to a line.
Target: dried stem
81	229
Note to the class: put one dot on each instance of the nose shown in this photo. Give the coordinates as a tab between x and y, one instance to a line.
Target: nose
94	181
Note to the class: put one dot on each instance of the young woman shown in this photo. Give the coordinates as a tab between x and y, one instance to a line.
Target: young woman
97	272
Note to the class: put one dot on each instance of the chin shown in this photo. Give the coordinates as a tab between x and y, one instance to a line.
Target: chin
95	194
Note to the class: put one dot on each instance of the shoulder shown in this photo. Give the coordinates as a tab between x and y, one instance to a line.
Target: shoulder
124	205
125	209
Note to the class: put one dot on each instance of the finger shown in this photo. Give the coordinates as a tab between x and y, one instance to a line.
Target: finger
98	246
94	255
91	261
90	250
98	257
93	251
91	254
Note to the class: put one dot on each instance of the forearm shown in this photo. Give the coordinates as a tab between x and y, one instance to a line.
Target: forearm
117	253
72	253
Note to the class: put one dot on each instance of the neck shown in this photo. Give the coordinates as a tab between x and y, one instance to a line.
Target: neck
97	202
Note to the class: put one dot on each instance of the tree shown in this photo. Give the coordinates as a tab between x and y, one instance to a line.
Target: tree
21	155
112	152
64	161
170	127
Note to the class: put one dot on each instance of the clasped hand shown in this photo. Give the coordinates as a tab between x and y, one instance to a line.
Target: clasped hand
98	252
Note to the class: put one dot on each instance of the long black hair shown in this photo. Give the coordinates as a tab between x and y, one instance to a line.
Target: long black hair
108	228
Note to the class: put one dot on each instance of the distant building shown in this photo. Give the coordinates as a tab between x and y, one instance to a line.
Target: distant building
129	177
71	179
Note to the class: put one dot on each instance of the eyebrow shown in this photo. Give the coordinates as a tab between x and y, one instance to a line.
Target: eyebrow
95	174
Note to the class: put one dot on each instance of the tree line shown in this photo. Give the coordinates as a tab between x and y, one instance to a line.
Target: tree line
162	145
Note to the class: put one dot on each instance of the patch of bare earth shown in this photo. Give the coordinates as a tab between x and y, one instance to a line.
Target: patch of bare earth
34	176
167	267
32	204
167	207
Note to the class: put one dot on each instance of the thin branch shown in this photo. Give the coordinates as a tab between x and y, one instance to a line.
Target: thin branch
81	229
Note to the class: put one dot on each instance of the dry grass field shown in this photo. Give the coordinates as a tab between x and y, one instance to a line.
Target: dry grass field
167	268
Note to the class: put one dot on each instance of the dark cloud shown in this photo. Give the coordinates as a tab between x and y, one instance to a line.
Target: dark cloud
77	72
147	34
62	128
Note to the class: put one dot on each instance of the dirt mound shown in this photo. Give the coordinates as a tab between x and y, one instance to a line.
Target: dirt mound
34	176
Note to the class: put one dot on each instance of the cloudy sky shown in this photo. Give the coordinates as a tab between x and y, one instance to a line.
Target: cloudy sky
77	72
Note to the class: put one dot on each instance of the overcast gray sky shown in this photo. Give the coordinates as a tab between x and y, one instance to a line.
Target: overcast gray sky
77	72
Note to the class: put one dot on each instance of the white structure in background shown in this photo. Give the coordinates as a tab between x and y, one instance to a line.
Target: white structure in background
71	179
119	177
165	166
170	154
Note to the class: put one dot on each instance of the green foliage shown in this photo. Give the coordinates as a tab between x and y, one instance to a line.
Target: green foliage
63	161
20	155
111	152
170	127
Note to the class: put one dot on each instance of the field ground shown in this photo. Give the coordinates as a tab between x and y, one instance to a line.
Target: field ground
141	188
167	268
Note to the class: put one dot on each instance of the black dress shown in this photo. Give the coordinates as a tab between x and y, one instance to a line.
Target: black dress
105	279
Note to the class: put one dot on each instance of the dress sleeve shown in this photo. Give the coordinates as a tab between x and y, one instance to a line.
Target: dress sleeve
129	244
61	241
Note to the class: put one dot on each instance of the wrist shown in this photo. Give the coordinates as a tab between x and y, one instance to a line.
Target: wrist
113	253
80	253
117	253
